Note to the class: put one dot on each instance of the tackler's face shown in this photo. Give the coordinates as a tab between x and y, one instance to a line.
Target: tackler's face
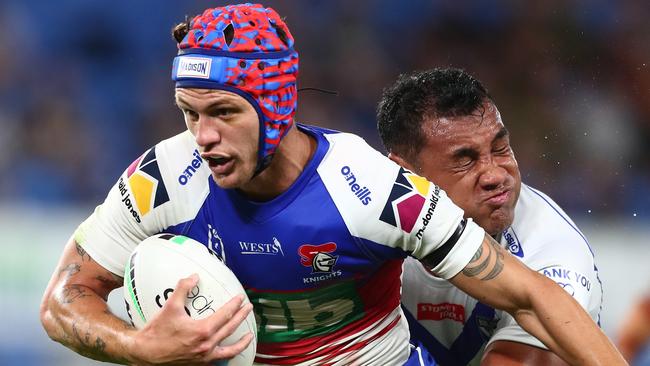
471	159
226	129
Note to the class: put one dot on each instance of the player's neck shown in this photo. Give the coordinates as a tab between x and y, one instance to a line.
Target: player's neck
290	159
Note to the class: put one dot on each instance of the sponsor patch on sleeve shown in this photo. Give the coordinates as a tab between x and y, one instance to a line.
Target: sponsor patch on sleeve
572	281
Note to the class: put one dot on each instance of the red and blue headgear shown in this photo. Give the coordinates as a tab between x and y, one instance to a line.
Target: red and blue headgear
248	50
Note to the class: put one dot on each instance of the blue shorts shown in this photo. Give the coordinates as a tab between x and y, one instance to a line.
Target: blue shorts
420	356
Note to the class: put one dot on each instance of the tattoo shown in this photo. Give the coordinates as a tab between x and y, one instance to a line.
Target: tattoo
109	283
91	348
478	265
82	252
99	346
71	293
72	269
477	255
498	267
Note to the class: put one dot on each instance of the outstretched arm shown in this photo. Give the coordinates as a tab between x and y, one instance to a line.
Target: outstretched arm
542	308
634	334
509	353
74	312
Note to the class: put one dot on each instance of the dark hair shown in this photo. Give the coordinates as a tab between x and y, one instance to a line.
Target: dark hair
180	30
421	95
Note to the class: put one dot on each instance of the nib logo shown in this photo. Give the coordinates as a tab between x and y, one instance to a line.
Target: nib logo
406	200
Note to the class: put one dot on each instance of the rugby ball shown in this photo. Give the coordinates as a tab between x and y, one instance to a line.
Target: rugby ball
156	266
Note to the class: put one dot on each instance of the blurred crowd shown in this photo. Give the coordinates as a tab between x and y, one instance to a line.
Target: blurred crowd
85	86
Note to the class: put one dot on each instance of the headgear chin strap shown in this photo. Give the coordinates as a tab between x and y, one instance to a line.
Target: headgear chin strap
258	63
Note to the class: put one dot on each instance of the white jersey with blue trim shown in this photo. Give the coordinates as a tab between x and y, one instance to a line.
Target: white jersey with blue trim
334	243
455	327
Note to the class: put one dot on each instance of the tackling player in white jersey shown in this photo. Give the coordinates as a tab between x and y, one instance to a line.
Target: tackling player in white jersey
344	215
443	125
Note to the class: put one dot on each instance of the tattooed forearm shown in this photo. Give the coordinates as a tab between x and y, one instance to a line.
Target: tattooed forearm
109	283
493	260
473	271
82	253
70	270
71	293
498	266
94	349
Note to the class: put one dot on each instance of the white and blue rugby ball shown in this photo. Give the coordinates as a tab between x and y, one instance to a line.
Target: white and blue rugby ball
156	266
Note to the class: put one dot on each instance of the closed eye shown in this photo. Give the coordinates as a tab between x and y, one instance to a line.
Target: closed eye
463	164
502	150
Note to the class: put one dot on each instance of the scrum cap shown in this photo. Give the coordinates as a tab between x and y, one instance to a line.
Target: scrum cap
248	50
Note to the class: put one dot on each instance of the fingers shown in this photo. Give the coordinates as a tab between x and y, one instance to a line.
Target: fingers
183	287
227	352
232	323
224	322
225	313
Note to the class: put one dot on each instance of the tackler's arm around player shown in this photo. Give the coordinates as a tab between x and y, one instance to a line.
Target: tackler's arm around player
74	313
542	308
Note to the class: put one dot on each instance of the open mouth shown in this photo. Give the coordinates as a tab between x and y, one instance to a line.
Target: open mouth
219	164
216	160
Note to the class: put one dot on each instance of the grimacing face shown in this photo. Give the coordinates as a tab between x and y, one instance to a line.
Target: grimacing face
471	159
226	129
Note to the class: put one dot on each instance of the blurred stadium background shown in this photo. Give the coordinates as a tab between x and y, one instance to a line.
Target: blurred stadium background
85	88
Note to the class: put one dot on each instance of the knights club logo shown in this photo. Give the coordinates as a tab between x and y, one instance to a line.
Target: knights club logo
406	200
143	176
318	257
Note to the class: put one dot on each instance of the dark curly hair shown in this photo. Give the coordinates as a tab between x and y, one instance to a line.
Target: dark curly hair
422	95
180	30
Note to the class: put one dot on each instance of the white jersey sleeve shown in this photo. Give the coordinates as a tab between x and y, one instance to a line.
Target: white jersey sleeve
388	205
456	327
553	246
145	200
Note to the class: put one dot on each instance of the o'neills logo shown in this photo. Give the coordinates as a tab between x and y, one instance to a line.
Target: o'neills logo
193	67
191	168
362	193
433	202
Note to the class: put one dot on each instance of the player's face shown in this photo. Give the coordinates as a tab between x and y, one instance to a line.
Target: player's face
471	159
226	128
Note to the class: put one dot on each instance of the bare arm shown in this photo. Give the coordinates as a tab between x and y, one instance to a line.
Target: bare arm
74	312
508	353
542	308
75	300
635	331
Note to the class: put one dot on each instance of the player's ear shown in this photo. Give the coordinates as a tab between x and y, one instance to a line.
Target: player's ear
401	161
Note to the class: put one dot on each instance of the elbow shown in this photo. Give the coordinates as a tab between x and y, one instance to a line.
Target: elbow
530	297
47	317
45	313
535	297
